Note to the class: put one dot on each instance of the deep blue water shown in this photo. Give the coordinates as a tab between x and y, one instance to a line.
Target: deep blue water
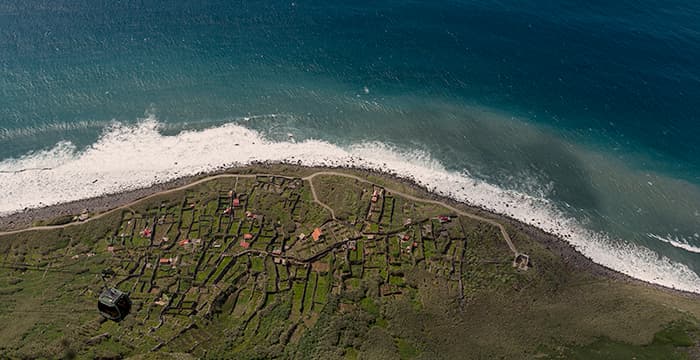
591	105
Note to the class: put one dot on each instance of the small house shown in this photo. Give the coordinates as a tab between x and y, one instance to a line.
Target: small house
236	202
248	236
245	244
316	234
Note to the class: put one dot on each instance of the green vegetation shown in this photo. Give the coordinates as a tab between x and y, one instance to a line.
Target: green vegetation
669	343
210	280
406	350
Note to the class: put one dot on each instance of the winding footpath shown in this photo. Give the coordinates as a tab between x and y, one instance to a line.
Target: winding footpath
309	179
504	233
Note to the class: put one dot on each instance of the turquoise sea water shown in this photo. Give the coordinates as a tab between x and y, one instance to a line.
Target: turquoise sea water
578	117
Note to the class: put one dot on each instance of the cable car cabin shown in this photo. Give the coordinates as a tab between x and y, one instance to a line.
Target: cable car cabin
114	304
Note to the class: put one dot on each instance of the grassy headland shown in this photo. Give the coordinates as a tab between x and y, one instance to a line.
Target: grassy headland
229	266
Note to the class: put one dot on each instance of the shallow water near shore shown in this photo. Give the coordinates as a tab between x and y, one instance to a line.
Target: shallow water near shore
524	109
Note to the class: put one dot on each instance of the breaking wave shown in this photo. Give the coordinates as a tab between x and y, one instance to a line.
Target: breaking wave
7	134
128	157
677	242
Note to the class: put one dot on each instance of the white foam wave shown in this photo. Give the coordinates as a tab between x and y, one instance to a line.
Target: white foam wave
676	241
129	157
29	131
7	134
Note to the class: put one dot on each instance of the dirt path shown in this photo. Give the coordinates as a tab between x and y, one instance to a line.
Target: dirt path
309	178
504	233
313	193
98	216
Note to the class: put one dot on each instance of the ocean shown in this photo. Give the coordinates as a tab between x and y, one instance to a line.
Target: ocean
579	117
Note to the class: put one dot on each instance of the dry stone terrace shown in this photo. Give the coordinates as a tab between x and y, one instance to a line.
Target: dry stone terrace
258	258
326	265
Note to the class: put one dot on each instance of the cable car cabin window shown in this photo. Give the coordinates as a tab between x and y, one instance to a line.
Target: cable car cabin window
124	304
109	311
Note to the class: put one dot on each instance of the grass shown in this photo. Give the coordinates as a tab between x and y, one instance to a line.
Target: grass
350	354
667	344
679	334
322	289
406	350
551	310
396	280
370	306
382	323
309	294
257	264
298	297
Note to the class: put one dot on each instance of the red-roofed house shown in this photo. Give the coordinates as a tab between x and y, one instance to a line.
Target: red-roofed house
165	261
236	202
245	244
316	234
375	196
184	242
247	236
146	233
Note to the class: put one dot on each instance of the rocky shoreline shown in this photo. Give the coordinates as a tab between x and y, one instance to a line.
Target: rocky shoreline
553	243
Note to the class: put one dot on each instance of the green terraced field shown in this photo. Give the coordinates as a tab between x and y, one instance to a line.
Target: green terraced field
385	279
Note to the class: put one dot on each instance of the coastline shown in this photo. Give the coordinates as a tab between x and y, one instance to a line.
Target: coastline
102	204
